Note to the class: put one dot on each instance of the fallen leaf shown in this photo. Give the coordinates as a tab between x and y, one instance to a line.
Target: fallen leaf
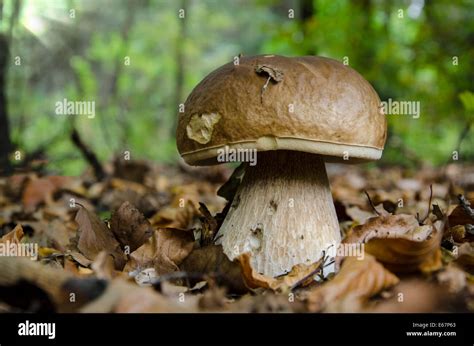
95	236
39	190
103	266
399	242
453	277
359	215
135	170
180	216
14	236
351	288
457	233
212	260
131	299
130	227
414	296
15	270
164	251
80	258
267	303
213	299
15	185
462	213
465	256
300	274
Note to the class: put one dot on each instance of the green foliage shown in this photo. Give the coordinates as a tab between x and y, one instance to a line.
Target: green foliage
422	54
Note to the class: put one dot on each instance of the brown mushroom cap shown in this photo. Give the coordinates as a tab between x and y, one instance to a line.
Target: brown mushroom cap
269	102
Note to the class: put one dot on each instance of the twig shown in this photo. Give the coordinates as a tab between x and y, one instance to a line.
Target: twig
371	203
304	279
429	206
88	154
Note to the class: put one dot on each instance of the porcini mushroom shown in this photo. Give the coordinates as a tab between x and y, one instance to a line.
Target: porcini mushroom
297	113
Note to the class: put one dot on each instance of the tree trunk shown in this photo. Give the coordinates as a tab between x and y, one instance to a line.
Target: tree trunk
179	86
5	142
307	12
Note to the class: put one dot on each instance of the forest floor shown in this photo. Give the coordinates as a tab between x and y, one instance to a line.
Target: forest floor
142	240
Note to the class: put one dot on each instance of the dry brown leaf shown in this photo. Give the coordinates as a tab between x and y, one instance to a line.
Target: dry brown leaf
130	227
15	185
399	242
359	215
352	287
80	258
14	236
269	302
300	274
453	277
103	266
39	190
164	251
135	170
456	233
15	270
145	300
95	236
458	216
123	297
414	296
180	216
212	260
213	299
465	256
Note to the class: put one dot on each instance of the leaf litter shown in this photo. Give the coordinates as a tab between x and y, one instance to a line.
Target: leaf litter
143	240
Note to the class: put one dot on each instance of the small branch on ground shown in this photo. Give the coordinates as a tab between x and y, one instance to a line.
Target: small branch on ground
429	206
89	155
371	203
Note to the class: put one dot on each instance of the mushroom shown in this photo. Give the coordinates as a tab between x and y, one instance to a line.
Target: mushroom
296	113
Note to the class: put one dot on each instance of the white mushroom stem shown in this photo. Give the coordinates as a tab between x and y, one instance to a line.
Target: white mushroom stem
282	213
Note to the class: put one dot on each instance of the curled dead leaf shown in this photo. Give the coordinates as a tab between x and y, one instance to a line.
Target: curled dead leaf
164	251
352	287
130	227
300	275
462	214
400	243
212	260
95	236
14	236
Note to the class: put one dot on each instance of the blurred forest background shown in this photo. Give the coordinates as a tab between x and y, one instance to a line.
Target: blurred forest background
138	60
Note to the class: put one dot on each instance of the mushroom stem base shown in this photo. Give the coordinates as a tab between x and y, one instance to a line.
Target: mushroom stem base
283	213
